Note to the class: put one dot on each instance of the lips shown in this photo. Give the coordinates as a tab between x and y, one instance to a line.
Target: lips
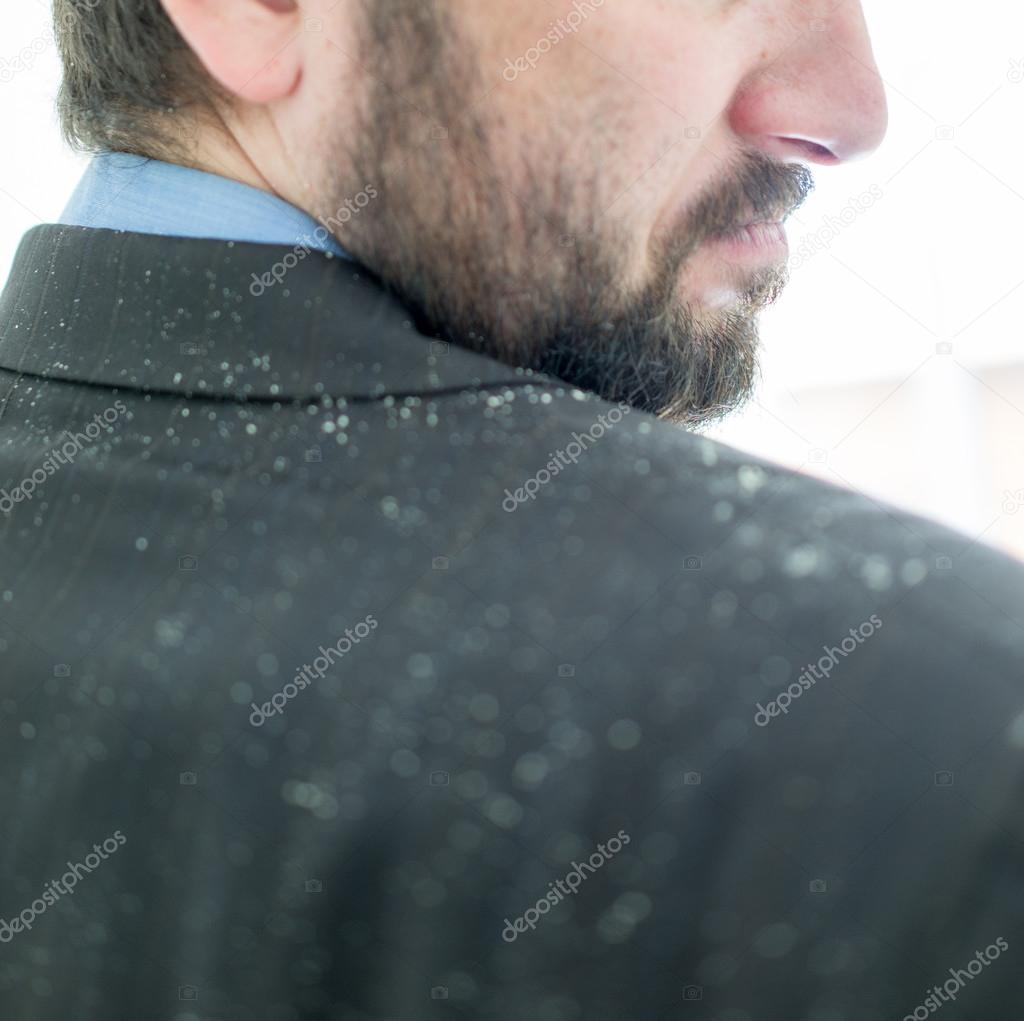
767	235
758	244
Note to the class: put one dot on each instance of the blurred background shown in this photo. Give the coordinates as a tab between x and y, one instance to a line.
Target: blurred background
894	364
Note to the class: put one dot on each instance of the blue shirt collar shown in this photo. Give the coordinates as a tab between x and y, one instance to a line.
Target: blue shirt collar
120	191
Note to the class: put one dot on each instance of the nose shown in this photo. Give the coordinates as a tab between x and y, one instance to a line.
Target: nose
818	98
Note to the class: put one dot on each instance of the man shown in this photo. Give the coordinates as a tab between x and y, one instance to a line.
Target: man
378	642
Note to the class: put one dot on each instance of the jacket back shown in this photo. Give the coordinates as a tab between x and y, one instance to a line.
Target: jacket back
349	675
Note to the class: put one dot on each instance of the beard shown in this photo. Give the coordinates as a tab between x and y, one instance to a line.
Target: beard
534	278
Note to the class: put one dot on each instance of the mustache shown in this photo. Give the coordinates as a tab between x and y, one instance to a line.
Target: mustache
755	189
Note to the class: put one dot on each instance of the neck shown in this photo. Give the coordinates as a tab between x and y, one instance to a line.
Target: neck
217	149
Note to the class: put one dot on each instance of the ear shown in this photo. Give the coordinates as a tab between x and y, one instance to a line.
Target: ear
250	47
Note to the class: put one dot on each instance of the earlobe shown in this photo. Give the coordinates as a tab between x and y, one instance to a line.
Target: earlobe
251	47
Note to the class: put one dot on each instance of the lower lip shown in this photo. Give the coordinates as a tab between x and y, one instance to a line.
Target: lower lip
763	243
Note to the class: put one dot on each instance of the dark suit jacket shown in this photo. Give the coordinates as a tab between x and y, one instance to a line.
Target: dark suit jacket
349	676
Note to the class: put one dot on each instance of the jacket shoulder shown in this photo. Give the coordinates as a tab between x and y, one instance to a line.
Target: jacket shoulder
661	497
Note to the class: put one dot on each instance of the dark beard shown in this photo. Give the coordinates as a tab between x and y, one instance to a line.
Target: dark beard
535	283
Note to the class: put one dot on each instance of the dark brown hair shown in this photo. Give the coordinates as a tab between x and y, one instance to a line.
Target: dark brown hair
126	71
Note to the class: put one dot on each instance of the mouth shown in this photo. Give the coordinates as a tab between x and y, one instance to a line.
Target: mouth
760	243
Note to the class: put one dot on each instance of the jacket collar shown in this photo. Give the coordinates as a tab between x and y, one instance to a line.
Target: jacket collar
187	316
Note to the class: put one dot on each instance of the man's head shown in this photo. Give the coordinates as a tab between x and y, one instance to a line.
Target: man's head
591	188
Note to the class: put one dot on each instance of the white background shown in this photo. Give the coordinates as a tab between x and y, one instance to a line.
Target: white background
894	363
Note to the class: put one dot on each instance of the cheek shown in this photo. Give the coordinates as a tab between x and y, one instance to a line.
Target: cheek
653	99
629	110
683	53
